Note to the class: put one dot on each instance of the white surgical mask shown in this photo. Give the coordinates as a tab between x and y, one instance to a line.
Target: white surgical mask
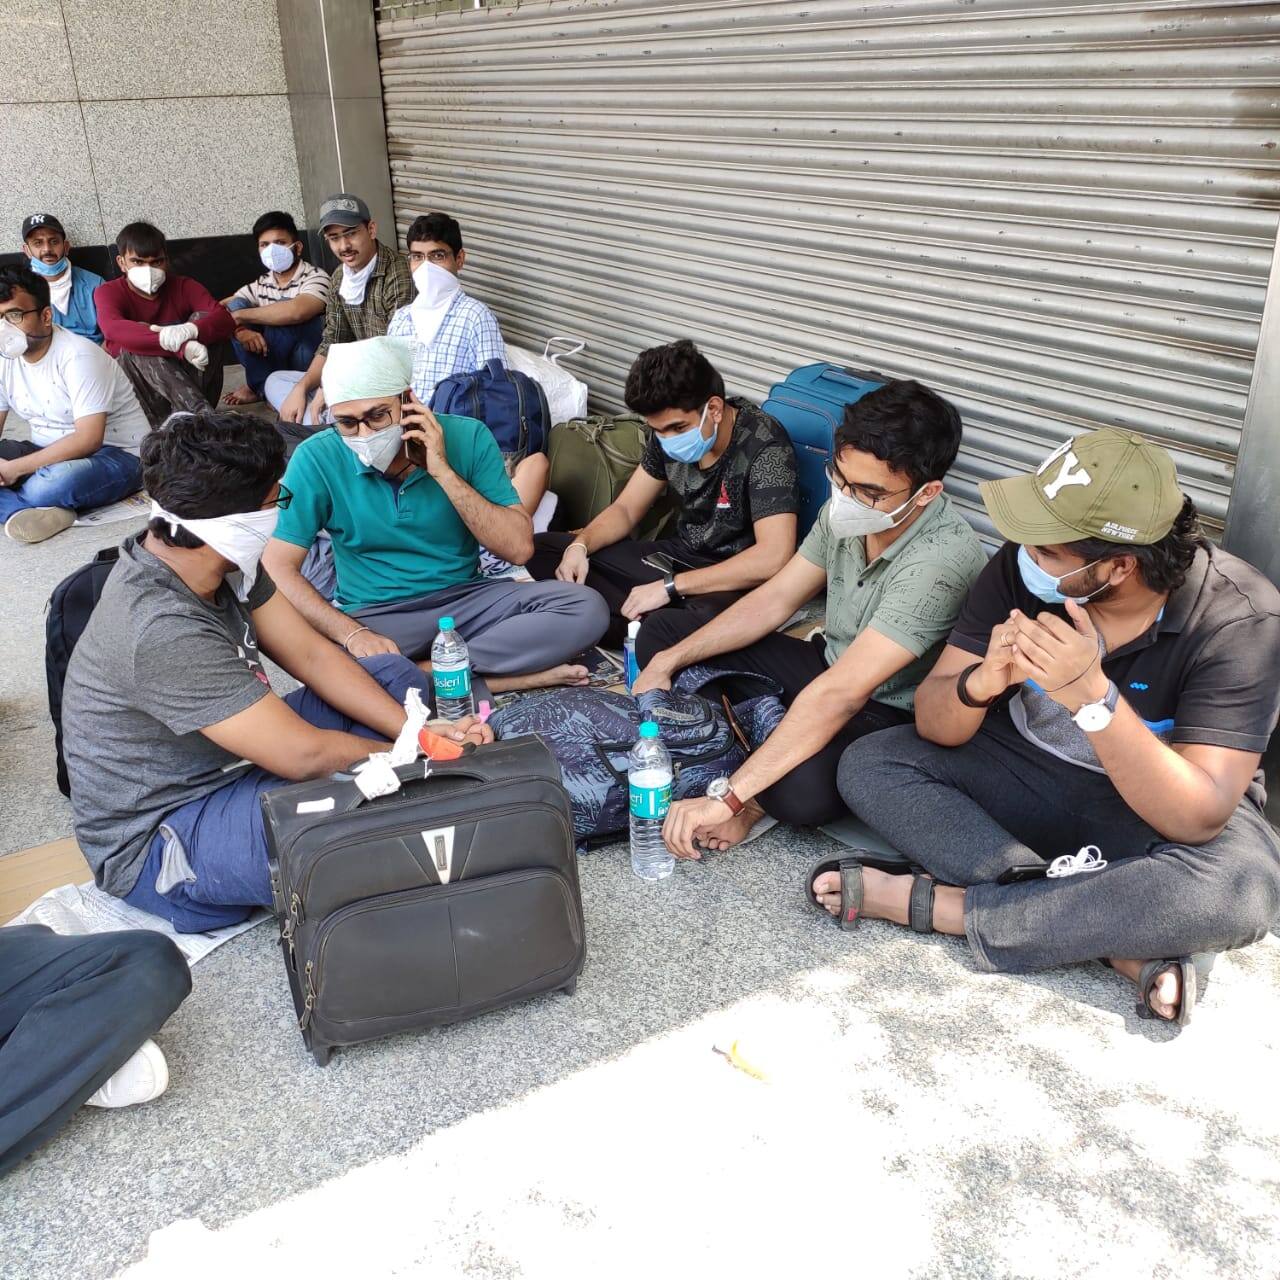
378	450
276	257
850	518
146	279
13	341
240	538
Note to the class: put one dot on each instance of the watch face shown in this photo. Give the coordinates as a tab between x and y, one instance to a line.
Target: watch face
1093	717
718	789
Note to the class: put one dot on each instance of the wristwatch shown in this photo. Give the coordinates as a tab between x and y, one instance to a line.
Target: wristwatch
1093	717
720	789
673	595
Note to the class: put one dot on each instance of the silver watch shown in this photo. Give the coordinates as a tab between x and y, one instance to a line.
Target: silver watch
1093	717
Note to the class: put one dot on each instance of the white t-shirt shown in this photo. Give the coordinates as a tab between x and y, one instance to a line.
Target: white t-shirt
74	378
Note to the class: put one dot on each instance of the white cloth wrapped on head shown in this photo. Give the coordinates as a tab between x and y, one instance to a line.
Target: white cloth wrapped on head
367	369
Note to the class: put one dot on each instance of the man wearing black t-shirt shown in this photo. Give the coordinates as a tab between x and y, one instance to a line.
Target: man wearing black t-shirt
1091	741
732	471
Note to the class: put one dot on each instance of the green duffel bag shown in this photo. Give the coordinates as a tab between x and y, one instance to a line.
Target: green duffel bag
591	461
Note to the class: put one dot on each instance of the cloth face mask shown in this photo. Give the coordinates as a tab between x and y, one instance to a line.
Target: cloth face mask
146	279
276	257
353	284
44	269
1044	586
688	446
850	518
378	450
13	342
240	538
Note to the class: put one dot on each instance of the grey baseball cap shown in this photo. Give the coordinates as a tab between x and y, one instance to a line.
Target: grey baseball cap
343	210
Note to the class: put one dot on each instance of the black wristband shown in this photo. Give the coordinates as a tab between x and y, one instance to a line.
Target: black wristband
673	596
962	689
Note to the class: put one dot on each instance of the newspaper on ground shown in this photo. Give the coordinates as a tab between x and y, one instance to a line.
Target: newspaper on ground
136	506
84	908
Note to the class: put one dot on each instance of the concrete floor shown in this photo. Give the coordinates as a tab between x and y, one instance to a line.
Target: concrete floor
919	1119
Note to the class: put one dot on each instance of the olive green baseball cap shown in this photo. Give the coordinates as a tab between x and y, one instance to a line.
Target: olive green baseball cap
1108	484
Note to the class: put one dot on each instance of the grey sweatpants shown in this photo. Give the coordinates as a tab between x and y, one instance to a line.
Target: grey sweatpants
511	628
968	813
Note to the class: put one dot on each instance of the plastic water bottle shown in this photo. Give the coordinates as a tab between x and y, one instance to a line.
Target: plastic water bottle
630	670
451	673
649	787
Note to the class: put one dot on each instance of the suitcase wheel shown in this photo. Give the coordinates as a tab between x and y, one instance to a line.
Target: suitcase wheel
570	987
322	1053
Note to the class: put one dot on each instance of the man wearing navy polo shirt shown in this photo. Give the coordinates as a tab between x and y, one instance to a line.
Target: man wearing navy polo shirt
408	499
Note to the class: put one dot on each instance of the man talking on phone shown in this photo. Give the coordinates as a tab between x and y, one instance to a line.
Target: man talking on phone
732	472
408	499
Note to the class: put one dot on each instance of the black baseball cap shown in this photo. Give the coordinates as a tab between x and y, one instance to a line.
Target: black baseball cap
41	222
343	210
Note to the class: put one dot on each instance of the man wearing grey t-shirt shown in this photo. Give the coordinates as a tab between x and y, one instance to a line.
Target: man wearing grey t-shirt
171	729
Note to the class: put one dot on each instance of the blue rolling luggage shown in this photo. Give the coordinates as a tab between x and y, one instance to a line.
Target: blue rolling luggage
810	405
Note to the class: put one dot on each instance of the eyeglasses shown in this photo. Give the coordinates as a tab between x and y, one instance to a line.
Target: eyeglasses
860	492
14	317
438	256
375	420
280	501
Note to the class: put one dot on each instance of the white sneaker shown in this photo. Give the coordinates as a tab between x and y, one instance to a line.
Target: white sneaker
144	1077
35	524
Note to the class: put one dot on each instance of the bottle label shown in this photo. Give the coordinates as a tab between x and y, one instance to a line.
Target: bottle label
650	802
452	684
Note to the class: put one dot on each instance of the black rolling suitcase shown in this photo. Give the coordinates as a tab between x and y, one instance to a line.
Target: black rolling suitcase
455	895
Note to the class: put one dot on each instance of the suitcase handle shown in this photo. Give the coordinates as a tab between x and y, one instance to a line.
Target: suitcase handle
833	373
409	773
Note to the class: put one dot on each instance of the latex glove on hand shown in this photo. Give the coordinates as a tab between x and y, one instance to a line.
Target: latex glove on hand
196	354
172	336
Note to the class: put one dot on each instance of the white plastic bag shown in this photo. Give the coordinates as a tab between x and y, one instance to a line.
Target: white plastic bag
566	395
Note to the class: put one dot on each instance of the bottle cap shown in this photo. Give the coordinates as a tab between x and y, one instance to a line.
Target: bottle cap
649	729
633	629
446	624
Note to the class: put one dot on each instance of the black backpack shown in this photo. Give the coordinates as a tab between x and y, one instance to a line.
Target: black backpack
73	600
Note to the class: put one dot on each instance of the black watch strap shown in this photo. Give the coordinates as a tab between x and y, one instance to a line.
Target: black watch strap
673	595
962	689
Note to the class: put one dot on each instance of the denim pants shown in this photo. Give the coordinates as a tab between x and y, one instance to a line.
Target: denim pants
207	865
78	484
968	813
289	346
73	1011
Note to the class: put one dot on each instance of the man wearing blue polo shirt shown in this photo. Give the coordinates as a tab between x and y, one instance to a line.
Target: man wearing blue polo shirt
408	499
70	288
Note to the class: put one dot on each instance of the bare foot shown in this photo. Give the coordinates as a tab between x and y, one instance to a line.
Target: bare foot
1166	994
725	835
564	674
242	395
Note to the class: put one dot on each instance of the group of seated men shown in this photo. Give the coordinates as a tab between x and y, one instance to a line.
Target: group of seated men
1063	741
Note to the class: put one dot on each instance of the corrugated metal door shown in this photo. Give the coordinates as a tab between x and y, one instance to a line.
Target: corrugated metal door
1060	216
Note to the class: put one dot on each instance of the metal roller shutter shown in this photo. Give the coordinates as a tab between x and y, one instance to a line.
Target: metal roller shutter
1061	216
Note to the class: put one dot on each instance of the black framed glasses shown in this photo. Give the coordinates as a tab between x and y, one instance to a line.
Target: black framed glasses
438	256
281	500
14	317
859	492
377	418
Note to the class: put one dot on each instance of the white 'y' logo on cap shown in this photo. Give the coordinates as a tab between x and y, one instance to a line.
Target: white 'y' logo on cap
1071	472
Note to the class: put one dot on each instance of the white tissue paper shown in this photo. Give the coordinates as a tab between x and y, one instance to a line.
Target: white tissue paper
376	776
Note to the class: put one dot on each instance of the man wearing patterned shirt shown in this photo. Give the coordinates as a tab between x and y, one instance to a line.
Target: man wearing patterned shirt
369	286
897	560
280	315
732	472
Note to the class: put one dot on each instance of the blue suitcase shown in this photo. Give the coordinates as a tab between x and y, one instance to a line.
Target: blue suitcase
810	405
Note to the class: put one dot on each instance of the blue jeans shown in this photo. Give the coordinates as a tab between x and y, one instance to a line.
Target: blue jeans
215	848
289	346
80	484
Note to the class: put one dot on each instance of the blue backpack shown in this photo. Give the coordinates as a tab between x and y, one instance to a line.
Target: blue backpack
510	403
591	733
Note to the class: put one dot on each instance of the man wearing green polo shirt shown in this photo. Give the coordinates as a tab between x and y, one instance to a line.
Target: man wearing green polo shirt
897	560
408	499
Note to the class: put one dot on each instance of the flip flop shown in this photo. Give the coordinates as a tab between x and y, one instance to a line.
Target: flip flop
850	869
1193	973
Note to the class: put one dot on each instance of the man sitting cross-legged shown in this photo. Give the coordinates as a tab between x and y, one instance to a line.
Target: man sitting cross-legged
408	500
1095	724
896	559
732	471
170	725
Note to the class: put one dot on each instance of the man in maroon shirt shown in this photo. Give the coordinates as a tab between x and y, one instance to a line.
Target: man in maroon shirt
167	332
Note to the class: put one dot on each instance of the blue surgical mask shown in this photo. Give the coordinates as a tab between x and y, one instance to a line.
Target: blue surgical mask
1044	586
44	269
689	446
